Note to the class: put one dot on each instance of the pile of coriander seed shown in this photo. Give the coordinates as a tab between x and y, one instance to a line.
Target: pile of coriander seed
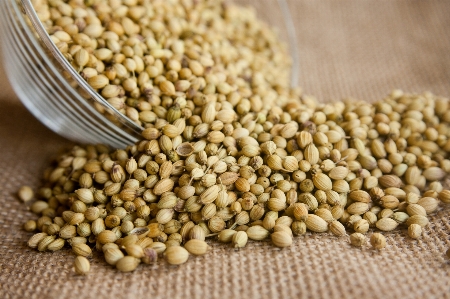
228	152
322	167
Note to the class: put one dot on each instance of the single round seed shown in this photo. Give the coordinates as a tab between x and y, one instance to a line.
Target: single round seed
112	255
127	264
56	245
25	193
357	239
281	239
30	226
257	233
386	224
414	231
239	239
176	255
226	235
134	250
196	247
81	249
82	265
378	241
337	228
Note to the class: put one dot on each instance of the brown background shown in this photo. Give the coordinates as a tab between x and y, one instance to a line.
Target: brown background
361	49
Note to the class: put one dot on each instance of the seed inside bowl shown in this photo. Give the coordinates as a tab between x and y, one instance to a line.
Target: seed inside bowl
157	61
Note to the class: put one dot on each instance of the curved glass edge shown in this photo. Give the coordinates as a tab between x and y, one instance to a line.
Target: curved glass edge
26	57
36	87
293	42
64	66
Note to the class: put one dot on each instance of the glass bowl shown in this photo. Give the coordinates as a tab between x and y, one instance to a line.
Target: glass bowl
54	92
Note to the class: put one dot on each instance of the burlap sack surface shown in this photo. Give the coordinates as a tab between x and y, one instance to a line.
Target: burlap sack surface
361	49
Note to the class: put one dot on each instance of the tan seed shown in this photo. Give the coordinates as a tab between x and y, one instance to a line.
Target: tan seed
415	231
216	224
430	204
239	239
56	245
417	219
134	250
387	181
360	196
25	193
150	256
82	265
316	224
298	228
45	242
322	182
358	208
127	264
325	214
257	233
415	209
361	226
159	247
378	241
386	224
113	255
434	174
226	235
337	228
185	149
185	192
357	239
176	255
389	202
444	196
281	239
312	154
68	231
106	236
209	195
81	250
196	247
29	226
162	186
35	239
228	178
300	211
338	173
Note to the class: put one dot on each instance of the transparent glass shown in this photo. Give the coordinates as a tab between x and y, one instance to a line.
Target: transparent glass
59	97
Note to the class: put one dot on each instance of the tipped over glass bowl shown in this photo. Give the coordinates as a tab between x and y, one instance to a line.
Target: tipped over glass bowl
56	94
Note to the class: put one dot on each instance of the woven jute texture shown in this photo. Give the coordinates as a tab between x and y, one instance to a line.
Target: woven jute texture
359	49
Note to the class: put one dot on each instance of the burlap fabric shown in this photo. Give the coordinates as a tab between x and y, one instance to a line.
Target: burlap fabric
347	48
